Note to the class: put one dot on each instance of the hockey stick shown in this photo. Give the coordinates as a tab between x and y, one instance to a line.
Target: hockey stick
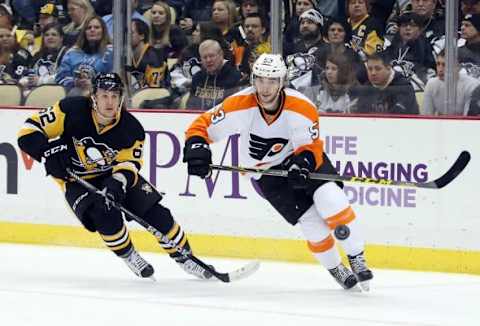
235	275
439	183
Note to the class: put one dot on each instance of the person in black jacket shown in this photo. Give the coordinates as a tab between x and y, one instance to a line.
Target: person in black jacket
387	92
217	79
469	54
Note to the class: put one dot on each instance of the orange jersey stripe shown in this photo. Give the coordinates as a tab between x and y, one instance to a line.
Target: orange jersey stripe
302	107
231	104
344	217
321	246
316	148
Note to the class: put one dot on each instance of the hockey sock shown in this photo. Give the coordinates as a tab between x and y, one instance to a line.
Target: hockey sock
120	242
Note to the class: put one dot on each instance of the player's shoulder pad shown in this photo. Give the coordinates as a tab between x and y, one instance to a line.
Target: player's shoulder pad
75	104
131	124
295	98
243	99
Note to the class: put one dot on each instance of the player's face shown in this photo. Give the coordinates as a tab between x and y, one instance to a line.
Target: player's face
267	91
108	103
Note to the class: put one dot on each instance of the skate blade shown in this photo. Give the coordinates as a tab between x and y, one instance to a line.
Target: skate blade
365	286
355	288
152	278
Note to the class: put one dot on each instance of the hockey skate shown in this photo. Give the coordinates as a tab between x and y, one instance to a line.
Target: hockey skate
344	277
193	268
361	271
138	265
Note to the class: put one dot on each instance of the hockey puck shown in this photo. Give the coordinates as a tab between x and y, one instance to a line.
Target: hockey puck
342	232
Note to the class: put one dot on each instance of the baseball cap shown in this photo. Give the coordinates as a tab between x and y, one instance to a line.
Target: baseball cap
49	9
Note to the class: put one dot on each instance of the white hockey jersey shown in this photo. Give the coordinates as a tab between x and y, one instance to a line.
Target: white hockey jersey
264	141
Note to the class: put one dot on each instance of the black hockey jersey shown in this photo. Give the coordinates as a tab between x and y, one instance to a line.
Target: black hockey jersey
92	151
150	69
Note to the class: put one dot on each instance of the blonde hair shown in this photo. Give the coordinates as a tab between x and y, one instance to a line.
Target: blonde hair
161	36
89	12
232	11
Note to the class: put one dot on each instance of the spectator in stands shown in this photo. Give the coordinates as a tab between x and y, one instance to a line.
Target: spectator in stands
333	94
387	92
433	22
474	108
195	12
6	16
224	15
256	43
79	11
469	54
338	37
303	65
247	7
149	66
14	60
47	60
108	19
367	33
435	91
103	7
470	7
217	79
163	34
47	15
189	64
292	31
92	53
411	53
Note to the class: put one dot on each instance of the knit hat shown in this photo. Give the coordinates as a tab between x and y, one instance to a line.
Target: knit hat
313	15
474	20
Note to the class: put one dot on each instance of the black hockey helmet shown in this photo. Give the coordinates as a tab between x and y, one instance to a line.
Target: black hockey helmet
110	81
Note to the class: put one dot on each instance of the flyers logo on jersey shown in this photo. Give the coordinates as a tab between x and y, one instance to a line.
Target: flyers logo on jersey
93	156
261	147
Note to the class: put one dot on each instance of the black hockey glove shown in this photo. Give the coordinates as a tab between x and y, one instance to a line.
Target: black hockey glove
115	188
198	157
56	159
299	166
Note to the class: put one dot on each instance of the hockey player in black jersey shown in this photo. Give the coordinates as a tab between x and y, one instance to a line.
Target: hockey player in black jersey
99	140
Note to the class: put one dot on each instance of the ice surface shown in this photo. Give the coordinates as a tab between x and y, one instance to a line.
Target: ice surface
42	285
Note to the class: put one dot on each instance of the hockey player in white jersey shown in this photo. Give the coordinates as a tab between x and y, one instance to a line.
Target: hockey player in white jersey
279	129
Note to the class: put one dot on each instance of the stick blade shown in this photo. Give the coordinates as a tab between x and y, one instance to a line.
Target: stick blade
244	271
452	173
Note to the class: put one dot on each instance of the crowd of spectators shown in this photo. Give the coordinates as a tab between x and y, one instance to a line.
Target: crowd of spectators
347	56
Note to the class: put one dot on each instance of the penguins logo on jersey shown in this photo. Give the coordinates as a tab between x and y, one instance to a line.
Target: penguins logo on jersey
261	147
94	157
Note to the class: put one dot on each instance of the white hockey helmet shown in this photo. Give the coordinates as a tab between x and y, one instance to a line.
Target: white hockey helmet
269	66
